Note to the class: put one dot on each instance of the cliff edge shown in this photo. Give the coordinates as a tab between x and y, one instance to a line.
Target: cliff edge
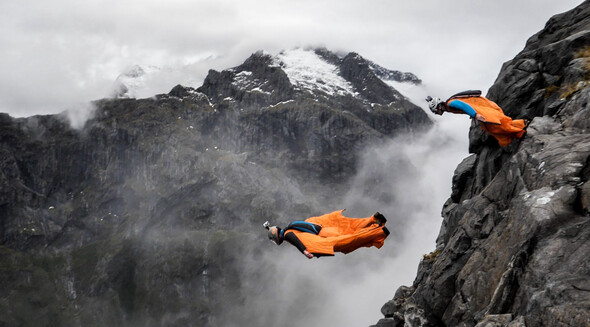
515	238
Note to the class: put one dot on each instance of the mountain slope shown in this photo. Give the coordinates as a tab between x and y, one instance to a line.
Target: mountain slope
148	214
515	238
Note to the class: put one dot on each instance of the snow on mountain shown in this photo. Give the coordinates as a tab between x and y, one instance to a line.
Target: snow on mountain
393	75
245	81
308	71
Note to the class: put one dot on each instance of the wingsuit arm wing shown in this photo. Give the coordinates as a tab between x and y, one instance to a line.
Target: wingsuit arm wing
460	105
295	241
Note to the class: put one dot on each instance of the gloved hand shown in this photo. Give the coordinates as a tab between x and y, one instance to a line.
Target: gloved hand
480	118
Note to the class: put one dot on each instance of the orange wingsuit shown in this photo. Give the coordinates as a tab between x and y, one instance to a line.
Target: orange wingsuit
500	126
342	234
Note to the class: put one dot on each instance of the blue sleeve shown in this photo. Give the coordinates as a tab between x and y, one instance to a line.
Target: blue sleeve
460	105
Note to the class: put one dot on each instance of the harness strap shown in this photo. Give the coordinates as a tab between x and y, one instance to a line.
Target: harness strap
304	226
465	94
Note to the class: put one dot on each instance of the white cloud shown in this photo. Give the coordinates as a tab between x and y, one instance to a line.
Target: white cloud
62	52
57	54
349	290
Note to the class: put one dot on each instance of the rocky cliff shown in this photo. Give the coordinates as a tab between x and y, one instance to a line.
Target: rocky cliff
146	215
515	238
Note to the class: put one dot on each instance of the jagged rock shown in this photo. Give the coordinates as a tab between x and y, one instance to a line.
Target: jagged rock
386	322
495	321
301	116
258	82
518	322
536	77
503	320
356	69
515	238
463	171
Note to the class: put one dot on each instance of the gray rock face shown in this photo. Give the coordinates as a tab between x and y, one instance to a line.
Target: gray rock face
146	216
514	244
301	124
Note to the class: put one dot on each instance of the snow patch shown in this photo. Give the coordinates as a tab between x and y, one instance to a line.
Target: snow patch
545	199
308	71
280	103
245	81
259	90
540	202
538	196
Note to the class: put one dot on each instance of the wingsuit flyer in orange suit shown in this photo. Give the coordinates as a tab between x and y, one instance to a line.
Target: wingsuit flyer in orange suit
323	235
493	120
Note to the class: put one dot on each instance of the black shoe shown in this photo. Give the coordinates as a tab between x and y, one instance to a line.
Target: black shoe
380	218
386	231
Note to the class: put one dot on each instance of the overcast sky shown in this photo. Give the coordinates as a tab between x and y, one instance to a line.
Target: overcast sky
61	53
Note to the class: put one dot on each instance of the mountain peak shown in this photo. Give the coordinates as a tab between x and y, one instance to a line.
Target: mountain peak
265	79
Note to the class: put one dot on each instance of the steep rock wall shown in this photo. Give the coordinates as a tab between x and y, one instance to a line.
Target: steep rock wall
515	237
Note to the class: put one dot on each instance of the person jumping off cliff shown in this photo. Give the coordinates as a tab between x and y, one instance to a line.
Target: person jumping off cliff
332	232
488	113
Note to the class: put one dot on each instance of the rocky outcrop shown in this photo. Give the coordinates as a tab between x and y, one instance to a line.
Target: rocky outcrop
515	238
145	216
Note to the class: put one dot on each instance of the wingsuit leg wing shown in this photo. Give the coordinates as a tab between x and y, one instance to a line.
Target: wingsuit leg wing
343	234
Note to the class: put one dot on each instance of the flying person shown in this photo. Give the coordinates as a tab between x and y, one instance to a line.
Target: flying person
332	232
488	113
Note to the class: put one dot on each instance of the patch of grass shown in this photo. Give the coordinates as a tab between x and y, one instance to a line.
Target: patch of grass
431	256
583	52
568	90
550	90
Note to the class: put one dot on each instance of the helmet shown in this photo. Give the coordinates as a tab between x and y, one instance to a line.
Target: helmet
433	103
274	233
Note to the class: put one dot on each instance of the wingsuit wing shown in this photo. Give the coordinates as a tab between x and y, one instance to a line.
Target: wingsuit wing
342	234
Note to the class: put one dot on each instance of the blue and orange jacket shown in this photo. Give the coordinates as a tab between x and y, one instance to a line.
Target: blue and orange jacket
501	127
336	234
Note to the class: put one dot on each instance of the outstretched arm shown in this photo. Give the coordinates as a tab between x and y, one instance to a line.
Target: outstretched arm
293	239
460	105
